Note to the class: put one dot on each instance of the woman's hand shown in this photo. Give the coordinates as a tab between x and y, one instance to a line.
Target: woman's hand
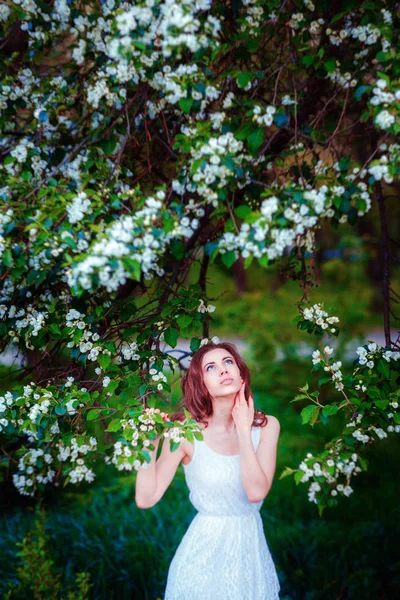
243	413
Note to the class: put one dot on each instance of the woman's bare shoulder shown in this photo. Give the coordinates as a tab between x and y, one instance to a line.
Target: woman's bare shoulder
272	425
272	419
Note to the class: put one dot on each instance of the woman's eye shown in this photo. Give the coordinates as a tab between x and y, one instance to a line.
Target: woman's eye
227	360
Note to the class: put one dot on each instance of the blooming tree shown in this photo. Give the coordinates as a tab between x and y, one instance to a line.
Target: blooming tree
139	138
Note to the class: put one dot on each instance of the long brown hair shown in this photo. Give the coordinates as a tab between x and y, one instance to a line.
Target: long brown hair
196	398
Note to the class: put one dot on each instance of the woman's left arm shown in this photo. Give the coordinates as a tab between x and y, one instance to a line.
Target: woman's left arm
258	469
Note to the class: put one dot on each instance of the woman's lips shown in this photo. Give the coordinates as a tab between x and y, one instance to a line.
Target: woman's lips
227	382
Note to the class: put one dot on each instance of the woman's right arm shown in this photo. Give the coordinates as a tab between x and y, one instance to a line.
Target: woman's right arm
152	482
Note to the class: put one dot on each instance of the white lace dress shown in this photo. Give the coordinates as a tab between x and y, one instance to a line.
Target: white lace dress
224	554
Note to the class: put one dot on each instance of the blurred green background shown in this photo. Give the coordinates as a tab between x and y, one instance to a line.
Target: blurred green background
352	551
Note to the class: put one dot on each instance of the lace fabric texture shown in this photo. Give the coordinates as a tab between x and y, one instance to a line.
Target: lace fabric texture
224	554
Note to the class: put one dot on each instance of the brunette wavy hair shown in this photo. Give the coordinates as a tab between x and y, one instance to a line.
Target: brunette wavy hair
196	398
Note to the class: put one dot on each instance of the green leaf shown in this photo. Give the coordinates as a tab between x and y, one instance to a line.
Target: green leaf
174	446
133	267
78	333
242	211
7	258
338	16
186	104
228	161
228	258
114	425
298	476
255	139
330	409
299	397
382	404
55	330
307	413
287	471
315	415
330	65
244	131
92	415
108	146
104	360
344	163
361	89
171	336
248	261
177	249
70	242
383	367
194	344
32	276
112	386
382	56
374	392
307	60
244	78
184	320
196	164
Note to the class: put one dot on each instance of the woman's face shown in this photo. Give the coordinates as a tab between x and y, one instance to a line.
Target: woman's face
219	365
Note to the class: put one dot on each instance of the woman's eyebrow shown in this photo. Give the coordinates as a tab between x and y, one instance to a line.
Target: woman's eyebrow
213	363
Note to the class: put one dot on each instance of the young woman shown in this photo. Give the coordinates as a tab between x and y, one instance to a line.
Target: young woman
224	554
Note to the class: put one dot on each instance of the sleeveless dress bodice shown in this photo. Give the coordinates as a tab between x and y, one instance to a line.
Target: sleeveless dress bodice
224	553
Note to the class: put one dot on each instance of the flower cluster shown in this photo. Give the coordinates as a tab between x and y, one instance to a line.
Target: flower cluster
252	17
25	323
267	237
264	119
128	351
129	451
386	165
5	219
370	398
332	472
83	337
158	376
176	434
34	467
370	353
381	96
80	206
202	308
131	244
368	35
37	466
213	165
77	470
333	369
316	314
